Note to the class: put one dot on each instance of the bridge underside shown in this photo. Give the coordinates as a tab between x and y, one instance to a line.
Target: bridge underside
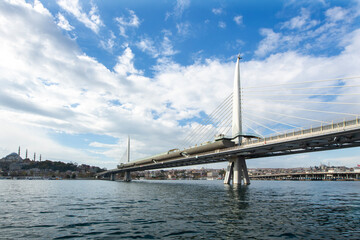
335	140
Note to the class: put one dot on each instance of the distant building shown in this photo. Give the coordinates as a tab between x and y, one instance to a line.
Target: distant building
12	157
212	175
15	166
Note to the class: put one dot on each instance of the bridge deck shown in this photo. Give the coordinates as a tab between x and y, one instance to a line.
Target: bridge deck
333	136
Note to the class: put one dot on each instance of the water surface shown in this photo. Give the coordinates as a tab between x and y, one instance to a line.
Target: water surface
91	209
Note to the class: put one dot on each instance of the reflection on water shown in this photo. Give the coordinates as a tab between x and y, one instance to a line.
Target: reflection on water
179	210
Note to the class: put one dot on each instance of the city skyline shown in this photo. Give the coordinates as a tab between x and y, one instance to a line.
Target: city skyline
78	77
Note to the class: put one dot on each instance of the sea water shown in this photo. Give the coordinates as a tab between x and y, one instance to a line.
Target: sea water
97	209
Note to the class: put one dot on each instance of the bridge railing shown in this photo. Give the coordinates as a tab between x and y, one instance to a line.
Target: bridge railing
302	131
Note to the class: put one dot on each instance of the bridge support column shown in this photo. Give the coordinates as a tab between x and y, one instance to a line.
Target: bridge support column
237	170
112	177
229	172
127	176
240	172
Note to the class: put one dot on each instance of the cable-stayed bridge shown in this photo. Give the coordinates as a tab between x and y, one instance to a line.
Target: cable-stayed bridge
272	120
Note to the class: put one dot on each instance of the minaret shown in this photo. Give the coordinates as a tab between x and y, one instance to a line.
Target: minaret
34	156
236	120
26	154
19	151
40	157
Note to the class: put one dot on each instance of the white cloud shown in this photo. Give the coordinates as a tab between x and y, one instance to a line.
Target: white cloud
336	14
163	49
238	20
181	5
174	80
179	9
91	20
36	6
109	43
304	34
94	15
40	8
217	11
167	47
126	22
269	43
183	28
63	23
147	45
125	64
302	22
222	24
102	145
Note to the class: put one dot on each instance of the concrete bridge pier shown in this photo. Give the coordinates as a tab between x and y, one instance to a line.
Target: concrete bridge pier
229	172
240	172
127	176
112	177
237	172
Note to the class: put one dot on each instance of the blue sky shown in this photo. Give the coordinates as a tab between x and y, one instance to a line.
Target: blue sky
194	28
78	77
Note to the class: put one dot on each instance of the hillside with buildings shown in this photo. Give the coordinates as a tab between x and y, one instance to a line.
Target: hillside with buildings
14	166
322	172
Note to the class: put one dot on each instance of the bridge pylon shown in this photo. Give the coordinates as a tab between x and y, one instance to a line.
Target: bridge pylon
127	176
237	169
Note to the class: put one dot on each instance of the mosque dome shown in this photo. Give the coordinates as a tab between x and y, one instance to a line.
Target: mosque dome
13	157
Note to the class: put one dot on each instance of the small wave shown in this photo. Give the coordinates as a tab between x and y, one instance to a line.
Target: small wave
93	233
41	226
69	236
180	233
119	233
144	221
81	224
288	235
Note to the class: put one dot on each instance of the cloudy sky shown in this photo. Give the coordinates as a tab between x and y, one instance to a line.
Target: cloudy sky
78	77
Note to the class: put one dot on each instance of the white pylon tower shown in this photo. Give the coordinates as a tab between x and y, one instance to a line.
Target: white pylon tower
127	177
236	118
237	170
128	149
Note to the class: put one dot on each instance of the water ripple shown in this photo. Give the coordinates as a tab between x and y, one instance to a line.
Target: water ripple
179	210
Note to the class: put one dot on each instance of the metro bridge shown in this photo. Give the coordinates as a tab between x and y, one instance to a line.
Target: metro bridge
241	147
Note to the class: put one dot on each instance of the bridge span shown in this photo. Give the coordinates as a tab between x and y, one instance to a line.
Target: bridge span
343	134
